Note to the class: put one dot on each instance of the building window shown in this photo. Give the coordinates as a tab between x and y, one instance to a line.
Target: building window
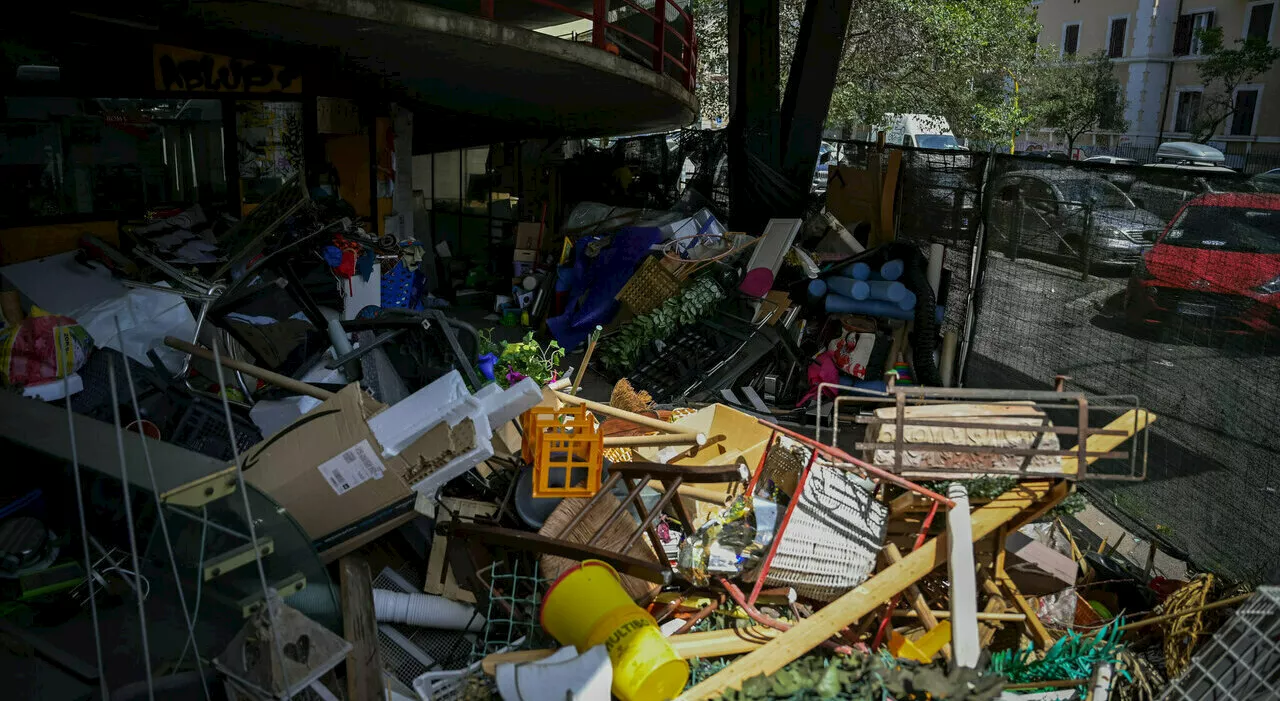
1246	108
1184	39
1070	39
63	156
1188	110
1258	21
1116	35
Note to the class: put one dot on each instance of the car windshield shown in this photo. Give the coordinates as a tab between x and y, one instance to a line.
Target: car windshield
936	141
1227	229
1101	191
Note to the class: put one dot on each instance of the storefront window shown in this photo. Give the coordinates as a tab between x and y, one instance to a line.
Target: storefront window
270	146
108	156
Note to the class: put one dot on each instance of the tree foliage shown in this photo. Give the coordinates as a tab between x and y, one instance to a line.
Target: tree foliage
1223	70
956	58
1078	95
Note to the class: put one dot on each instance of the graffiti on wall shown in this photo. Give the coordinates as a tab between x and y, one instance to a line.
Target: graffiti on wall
178	69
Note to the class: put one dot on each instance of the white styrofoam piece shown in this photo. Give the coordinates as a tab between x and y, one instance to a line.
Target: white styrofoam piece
482	449
399	426
513	401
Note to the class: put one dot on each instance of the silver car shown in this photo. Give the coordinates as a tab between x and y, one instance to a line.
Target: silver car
1060	212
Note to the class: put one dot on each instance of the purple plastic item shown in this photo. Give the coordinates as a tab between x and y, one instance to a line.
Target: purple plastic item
757	282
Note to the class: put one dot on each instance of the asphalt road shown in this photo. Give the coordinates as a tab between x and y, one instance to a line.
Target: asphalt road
1213	483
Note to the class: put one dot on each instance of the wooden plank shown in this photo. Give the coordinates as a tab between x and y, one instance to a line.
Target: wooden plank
360	628
1129	422
1039	634
711	643
916	598
856	604
440	579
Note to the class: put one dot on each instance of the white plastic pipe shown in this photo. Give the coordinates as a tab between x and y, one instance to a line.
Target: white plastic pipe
934	272
426	610
563	675
964	586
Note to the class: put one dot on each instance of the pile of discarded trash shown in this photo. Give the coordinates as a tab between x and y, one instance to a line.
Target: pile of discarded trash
715	544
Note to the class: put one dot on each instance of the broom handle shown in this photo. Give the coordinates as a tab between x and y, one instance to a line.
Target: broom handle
658	441
634	418
586	358
251	370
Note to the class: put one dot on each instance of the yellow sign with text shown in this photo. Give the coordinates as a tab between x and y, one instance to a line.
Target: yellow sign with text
184	70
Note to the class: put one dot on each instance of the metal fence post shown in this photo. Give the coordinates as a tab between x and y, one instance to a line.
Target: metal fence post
1017	231
1087	234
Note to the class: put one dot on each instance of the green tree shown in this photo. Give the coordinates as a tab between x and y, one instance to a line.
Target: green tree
956	58
1078	95
1222	71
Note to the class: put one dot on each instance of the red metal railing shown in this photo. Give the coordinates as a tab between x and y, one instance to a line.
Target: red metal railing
687	59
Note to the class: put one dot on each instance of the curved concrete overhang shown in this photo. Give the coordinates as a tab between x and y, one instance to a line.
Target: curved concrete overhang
525	83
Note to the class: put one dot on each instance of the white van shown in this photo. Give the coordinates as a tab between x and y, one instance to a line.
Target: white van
919	130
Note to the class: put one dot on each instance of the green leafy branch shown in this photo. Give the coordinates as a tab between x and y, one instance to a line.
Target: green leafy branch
623	349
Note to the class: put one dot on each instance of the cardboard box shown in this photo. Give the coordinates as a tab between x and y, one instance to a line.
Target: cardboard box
1036	568
527	235
327	470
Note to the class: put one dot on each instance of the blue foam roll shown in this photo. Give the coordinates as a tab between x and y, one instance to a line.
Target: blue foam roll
847	286
857	271
892	270
817	289
887	291
908	302
938	313
839	304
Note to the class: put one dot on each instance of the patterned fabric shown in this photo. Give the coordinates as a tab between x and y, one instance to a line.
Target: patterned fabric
42	348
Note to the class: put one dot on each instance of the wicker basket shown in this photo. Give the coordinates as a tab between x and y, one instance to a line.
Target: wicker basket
651	285
835	534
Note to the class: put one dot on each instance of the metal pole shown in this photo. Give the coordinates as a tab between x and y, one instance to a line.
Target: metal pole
599	22
659	36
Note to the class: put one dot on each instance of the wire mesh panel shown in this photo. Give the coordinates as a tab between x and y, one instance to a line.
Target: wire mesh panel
1242	661
1157	282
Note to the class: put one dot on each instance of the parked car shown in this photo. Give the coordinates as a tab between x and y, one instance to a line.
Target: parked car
822	173
1112	160
1182	170
1217	265
1119	171
1268	182
1045	212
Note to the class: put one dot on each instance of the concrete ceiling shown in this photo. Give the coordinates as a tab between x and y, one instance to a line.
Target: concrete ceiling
480	81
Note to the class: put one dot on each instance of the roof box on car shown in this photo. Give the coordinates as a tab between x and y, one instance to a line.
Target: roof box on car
1189	152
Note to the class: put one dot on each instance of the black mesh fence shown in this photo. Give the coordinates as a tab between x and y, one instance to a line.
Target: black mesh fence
1154	281
1162	283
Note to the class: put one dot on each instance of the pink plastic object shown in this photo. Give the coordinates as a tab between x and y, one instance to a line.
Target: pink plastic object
757	282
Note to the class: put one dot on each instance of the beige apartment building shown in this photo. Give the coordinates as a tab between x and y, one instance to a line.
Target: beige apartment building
1153	46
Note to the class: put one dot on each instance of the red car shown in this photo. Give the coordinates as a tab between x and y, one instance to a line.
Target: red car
1216	265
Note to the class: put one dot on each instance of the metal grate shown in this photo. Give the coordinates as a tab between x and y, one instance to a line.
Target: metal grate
407	651
1242	661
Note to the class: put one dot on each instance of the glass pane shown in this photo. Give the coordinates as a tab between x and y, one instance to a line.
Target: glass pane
447	171
270	140
62	156
475	177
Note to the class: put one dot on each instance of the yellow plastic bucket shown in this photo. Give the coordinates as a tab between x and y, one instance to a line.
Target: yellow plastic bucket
587	606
